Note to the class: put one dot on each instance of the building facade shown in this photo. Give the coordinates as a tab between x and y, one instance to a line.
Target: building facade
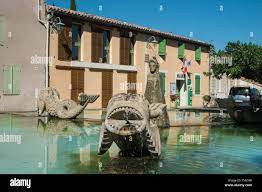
104	56
22	46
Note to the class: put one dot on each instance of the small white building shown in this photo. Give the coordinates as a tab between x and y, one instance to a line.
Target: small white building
219	88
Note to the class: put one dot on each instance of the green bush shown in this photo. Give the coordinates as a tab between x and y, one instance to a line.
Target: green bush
206	98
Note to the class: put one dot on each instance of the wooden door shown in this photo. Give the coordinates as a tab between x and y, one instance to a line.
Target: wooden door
97	46
131	80
107	87
78	83
124	51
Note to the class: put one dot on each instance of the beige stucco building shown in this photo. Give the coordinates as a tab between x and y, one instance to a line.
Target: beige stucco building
22	54
104	56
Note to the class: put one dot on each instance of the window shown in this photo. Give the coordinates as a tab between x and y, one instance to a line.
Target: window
11	79
2	30
69	43
132	48
162	48
76	42
197	84
100	46
127	44
163	82
106	47
181	50
198	54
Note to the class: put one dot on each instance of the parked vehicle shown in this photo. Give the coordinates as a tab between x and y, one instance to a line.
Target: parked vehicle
245	104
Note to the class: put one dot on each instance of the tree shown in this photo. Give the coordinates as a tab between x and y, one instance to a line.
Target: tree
246	61
73	5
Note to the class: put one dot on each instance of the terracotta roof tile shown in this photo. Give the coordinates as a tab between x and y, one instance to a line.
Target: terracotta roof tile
121	24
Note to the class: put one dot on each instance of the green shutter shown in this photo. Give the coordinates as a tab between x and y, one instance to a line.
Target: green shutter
2	30
163	82
181	51
197	85
198	54
7	79
162	47
16	79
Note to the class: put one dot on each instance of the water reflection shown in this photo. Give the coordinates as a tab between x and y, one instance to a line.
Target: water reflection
68	142
189	117
70	146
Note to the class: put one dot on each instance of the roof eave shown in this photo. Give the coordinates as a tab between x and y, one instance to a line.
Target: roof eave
124	25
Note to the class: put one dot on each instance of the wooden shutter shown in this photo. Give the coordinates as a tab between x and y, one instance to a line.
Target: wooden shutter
197	85
124	51
2	30
65	43
162	47
131	79
97	46
7	80
78	83
198	54
16	79
181	51
163	82
107	87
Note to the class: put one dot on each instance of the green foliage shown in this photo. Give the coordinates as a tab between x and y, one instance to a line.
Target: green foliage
207	74
73	5
246	61
212	50
206	98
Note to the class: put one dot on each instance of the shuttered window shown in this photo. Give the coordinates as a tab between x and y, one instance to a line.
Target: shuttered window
97	51
124	51
127	44
163	82
197	84
162	47
65	44
7	70
16	79
181	50
11	79
77	82
198	54
131	80
107	87
2	30
100	46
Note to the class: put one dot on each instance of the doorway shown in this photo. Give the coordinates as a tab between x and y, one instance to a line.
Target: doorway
107	87
77	82
181	92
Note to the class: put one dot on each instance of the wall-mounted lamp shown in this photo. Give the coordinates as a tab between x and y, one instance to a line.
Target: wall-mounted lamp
55	22
153	40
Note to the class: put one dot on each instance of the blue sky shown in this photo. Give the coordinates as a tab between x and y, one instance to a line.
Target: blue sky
213	21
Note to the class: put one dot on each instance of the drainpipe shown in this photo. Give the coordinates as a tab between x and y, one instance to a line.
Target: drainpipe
38	13
47	56
47	26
